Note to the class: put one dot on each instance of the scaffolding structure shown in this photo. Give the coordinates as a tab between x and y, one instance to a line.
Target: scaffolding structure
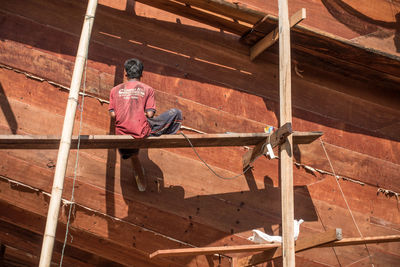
284	137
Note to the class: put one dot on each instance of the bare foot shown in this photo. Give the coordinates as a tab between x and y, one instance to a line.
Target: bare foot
140	180
138	172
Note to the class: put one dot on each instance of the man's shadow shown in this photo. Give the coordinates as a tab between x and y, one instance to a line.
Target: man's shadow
234	212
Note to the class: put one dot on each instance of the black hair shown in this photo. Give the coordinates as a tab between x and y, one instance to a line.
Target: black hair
133	68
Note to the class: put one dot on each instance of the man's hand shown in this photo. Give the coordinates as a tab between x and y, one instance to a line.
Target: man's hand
112	114
149	113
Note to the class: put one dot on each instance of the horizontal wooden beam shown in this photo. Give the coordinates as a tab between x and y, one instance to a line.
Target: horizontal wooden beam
236	11
308	242
265	247
272	37
212	250
363	240
212	19
164	141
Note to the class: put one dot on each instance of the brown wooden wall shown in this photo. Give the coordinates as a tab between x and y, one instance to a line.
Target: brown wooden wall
206	74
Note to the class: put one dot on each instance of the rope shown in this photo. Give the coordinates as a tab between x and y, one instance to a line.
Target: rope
72	205
214	172
345	200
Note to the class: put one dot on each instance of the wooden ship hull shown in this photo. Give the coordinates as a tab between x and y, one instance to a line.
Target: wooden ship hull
345	83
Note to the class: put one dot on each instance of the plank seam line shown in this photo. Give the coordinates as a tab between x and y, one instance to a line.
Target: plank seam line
52	83
222	83
67	202
101	100
347	204
359	153
312	169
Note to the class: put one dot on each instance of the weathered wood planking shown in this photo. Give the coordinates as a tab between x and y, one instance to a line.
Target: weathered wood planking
30	243
165	208
164	141
361	55
338	110
84	196
368	122
355	143
99	21
159	201
125	242
217	21
340	133
236	11
347	163
83	240
37	123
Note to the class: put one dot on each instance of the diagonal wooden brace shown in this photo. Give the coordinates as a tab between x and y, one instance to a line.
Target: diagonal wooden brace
308	242
276	138
212	250
272	37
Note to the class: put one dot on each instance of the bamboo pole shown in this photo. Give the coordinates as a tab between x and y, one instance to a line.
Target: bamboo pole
65	143
286	162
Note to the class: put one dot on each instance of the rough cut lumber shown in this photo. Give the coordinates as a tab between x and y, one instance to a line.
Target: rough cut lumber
265	247
236	11
301	244
361	241
213	250
164	141
214	20
28	242
272	37
286	149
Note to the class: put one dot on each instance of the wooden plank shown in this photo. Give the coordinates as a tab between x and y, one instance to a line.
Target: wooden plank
127	141
272	37
302	244
261	247
275	139
212	250
213	20
152	209
236	11
29	242
88	227
286	150
82	239
361	241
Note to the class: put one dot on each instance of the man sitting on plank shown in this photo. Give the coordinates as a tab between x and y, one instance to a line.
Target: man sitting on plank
133	106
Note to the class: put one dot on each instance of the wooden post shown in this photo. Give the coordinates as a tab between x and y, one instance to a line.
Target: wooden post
65	143
272	37
286	150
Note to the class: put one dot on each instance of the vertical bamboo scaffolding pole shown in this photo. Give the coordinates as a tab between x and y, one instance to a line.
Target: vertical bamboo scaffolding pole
65	143
286	162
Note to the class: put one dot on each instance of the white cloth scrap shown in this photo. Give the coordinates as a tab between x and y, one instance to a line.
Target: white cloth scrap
260	237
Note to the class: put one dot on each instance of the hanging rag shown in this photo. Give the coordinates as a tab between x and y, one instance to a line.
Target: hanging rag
260	237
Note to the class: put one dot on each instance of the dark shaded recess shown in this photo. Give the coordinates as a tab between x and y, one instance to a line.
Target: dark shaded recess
31	243
7	111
